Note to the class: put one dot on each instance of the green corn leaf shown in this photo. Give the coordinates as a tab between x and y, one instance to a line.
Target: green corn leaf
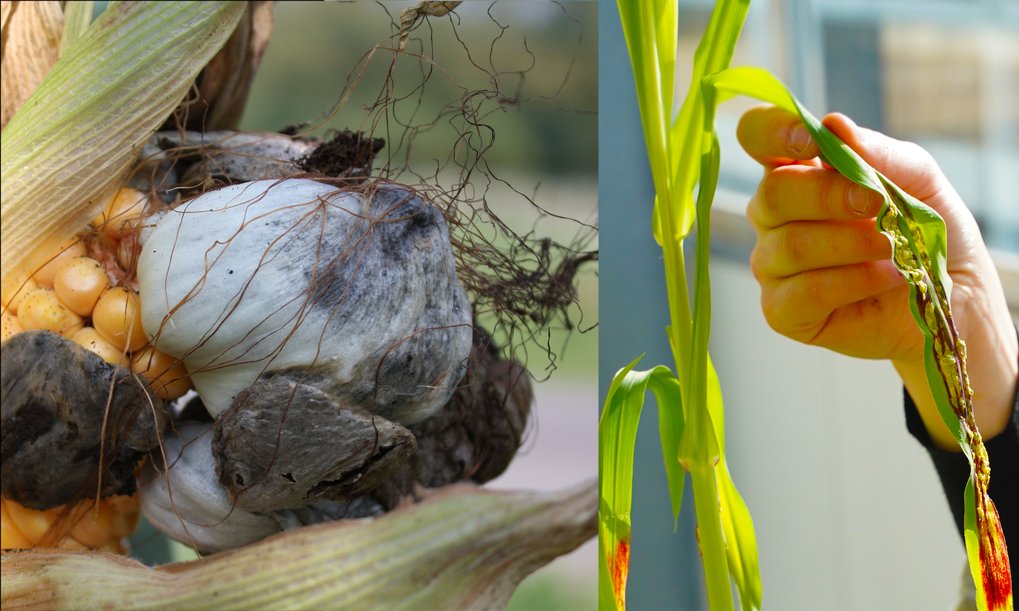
919	246
714	53
700	445
77	17
738	526
617	435
645	26
740	540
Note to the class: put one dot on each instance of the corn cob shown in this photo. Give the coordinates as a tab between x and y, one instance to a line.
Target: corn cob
93	305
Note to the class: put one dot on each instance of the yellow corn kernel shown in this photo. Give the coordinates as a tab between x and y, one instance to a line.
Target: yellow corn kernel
42	310
9	326
34	525
165	374
126	513
114	546
45	274
79	283
10	536
89	338
13	289
72	544
128	251
118	318
95	526
104	529
126	206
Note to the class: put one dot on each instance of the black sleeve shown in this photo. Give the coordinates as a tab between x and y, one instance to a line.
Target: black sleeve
953	469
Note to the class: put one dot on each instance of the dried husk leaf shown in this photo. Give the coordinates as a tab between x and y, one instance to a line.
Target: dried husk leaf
224	84
30	47
71	144
463	548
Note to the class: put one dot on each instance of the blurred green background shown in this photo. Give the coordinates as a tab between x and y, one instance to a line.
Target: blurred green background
516	78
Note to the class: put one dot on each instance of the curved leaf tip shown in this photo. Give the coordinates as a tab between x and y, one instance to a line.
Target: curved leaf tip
996	577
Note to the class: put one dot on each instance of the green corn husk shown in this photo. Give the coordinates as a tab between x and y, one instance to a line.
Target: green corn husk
70	145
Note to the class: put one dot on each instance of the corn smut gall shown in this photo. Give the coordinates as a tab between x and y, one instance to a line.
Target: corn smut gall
89	338
79	283
165	374
126	206
42	310
45	274
117	317
9	326
13	289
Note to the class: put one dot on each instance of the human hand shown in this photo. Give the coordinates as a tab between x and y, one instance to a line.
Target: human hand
826	274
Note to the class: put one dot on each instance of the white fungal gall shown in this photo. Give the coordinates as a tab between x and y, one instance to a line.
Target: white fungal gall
355	290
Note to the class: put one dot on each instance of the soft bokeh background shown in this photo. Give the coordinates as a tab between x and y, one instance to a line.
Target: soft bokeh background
848	510
537	64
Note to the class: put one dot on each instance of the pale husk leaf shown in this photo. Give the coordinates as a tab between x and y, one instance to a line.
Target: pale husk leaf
463	548
70	145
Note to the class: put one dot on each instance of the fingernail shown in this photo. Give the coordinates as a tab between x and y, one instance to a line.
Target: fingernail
859	199
799	138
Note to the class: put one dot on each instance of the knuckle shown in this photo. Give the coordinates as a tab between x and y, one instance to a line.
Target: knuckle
757	264
834	193
753	210
772	310
769	196
794	242
811	289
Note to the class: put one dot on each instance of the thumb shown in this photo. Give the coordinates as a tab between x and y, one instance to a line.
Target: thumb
904	163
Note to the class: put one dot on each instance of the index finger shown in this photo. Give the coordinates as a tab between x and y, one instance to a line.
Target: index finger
775	137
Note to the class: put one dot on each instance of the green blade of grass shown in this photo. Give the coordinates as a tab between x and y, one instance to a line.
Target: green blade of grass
617	435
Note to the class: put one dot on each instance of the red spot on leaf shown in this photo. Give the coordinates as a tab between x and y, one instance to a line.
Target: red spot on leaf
620	569
997	578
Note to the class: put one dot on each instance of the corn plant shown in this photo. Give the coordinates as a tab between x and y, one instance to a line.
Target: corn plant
684	153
